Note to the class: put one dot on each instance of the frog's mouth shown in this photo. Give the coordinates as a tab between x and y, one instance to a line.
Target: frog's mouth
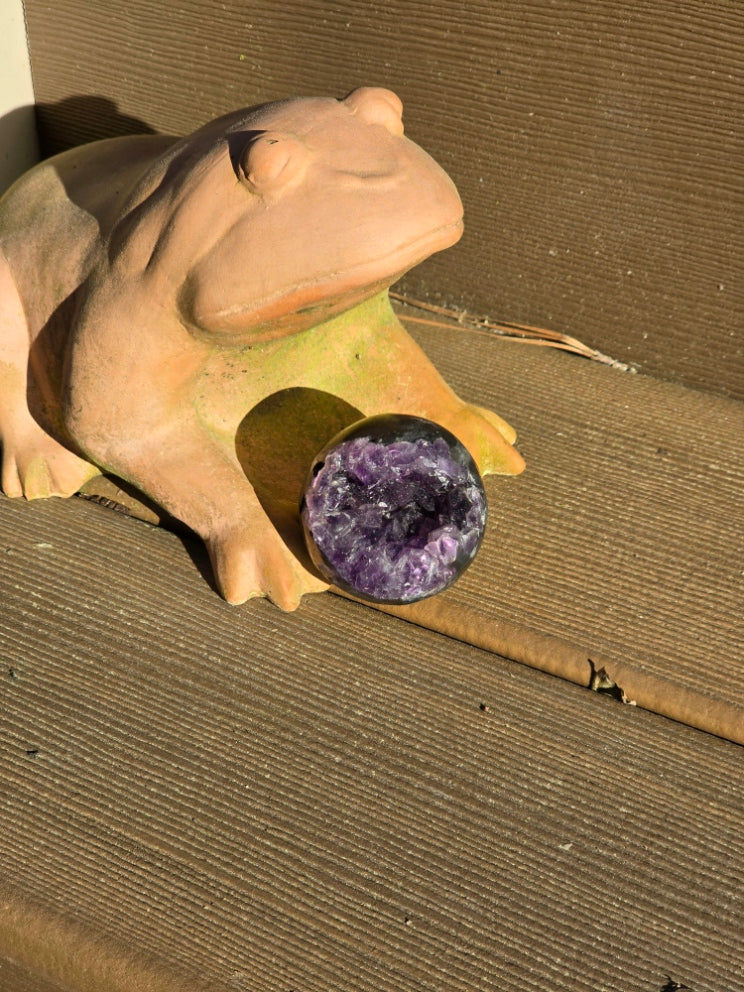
300	306
437	240
381	270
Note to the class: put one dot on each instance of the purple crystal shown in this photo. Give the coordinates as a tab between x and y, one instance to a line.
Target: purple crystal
394	510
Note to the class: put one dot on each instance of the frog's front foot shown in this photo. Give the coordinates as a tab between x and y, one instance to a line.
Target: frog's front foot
488	438
252	560
36	466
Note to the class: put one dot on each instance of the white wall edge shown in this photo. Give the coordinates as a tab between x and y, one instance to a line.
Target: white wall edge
19	148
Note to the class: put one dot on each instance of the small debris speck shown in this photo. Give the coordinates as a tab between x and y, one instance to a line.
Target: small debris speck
672	986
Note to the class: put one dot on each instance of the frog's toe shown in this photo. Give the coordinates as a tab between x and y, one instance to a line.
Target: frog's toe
506	430
260	566
37	466
11	479
495	451
488	438
287	595
44	478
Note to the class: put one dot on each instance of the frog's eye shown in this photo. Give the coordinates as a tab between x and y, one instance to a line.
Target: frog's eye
377	106
271	160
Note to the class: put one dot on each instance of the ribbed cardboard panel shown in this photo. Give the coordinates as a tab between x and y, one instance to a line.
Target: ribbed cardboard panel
625	534
335	799
615	559
623	539
594	145
14	979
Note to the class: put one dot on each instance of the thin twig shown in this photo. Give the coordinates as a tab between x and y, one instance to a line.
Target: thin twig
517	332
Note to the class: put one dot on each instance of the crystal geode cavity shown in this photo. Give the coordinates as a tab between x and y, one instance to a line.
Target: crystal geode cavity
394	509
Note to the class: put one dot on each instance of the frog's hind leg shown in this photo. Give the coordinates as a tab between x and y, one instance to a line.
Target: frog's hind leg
34	464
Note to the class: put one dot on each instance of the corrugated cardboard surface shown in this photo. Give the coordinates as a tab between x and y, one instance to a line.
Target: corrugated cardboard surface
194	796
14	979
200	796
626	531
595	145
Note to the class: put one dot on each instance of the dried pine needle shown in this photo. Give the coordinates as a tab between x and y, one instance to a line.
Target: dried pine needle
516	332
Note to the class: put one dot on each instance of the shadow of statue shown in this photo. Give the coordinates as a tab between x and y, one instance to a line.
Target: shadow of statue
77	120
276	443
34	132
19	146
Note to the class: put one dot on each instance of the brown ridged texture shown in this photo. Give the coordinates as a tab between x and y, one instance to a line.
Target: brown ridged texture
635	552
614	561
53	953
328	800
625	533
595	145
14	978
333	799
628	683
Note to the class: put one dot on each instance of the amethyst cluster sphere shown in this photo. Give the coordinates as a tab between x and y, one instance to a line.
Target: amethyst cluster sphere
394	509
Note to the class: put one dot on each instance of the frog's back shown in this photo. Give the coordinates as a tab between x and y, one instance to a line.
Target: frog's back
55	217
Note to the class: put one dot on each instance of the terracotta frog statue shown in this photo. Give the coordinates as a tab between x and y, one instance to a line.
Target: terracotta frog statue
154	290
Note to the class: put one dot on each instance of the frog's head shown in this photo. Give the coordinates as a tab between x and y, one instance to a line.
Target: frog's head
305	208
